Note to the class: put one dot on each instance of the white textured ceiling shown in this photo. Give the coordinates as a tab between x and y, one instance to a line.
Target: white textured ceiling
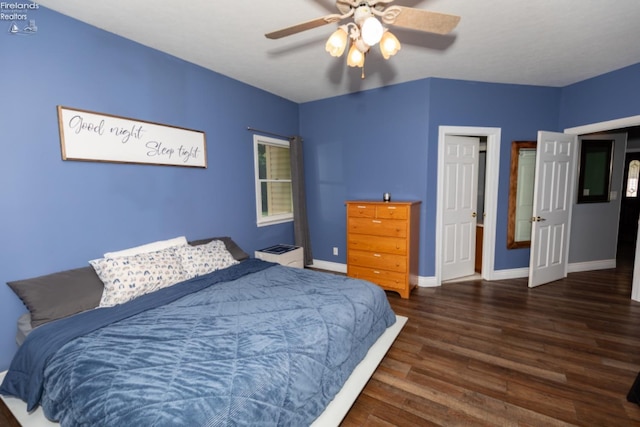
534	42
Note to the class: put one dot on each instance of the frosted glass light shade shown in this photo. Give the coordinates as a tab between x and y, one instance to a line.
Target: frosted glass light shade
371	31
389	45
337	43
355	57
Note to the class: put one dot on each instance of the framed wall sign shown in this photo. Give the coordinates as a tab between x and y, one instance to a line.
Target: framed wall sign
90	136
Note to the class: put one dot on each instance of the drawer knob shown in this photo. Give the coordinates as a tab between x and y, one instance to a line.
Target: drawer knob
376	221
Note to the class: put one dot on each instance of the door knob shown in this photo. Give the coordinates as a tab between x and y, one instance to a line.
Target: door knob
537	219
473	215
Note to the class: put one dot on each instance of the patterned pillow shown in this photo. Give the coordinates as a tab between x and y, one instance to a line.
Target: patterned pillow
128	277
204	259
149	247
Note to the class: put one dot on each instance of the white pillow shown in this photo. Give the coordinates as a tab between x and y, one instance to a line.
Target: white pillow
129	277
149	247
204	259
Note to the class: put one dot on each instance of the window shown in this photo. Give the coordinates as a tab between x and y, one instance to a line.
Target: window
594	177
632	179
274	202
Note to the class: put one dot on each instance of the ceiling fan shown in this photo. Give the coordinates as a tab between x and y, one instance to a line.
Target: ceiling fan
366	30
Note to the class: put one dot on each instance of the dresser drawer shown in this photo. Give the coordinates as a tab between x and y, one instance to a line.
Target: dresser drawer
388	211
392	211
365	242
384	278
361	210
378	227
378	260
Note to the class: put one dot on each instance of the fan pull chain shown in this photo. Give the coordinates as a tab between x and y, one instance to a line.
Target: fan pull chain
362	72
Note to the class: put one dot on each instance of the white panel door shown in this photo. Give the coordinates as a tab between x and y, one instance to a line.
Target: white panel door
459	207
552	201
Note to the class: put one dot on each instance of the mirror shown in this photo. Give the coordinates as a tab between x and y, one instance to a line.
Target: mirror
521	182
594	178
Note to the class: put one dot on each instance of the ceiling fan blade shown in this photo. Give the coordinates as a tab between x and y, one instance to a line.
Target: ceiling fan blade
424	20
303	26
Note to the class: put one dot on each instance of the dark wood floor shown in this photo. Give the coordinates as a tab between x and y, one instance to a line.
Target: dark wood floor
6	418
500	354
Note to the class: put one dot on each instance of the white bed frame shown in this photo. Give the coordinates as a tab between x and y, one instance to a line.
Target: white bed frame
332	415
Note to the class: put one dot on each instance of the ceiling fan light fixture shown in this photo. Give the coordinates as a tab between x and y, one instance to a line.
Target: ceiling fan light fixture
337	43
372	31
355	58
368	27
389	45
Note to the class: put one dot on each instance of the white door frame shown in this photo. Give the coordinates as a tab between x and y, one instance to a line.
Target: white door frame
490	199
635	282
606	126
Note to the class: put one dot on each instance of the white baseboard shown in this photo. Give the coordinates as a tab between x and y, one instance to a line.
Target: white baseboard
574	267
591	265
329	266
511	273
427	282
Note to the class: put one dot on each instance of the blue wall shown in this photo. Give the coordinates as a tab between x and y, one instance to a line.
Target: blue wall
519	111
600	99
357	147
60	214
361	145
607	97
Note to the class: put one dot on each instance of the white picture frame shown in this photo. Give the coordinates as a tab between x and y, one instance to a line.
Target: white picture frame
91	136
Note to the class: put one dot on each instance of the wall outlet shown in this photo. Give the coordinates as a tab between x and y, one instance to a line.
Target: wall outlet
335	250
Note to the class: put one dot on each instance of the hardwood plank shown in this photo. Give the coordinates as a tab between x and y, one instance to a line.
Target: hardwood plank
483	353
6	417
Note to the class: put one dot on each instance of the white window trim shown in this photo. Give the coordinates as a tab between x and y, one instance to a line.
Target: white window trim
273	219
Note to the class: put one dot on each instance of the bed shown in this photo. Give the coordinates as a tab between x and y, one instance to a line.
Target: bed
247	343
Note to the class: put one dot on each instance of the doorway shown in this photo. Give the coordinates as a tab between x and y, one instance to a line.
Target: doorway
630	202
492	136
622	124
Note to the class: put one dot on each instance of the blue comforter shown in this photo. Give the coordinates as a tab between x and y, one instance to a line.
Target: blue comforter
254	344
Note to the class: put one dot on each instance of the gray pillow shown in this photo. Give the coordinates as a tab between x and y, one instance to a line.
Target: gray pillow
59	295
231	246
62	294
24	328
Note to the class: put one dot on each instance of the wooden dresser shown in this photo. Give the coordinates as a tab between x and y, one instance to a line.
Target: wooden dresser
383	243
